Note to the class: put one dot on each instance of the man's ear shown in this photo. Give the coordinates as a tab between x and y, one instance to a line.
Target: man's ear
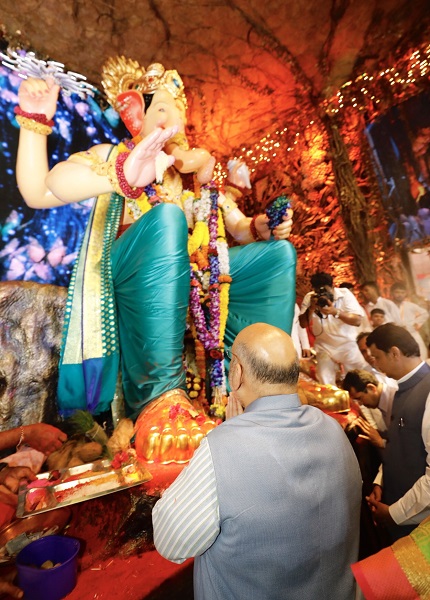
370	387
235	377
131	110
395	352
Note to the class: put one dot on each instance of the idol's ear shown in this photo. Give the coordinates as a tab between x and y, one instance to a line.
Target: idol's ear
132	110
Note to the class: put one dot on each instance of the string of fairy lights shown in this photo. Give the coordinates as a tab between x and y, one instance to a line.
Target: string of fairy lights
267	149
363	94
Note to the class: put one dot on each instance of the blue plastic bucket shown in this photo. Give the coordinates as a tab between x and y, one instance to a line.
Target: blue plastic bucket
48	584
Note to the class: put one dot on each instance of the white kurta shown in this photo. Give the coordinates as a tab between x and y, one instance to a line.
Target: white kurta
335	341
392	313
413	316
299	335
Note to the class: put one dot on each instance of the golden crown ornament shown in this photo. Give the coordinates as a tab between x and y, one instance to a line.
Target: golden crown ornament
120	74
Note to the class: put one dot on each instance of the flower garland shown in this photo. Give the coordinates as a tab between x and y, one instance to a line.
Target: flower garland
210	282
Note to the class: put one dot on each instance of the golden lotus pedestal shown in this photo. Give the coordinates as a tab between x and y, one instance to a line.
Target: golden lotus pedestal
170	429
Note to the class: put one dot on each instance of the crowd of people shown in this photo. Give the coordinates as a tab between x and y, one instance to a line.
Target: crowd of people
336	320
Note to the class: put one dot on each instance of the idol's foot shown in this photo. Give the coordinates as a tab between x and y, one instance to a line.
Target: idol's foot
169	429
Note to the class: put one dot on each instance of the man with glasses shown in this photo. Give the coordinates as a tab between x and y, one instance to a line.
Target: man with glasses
269	504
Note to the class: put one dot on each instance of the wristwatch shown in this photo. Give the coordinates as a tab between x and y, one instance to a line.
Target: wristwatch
3	465
337	314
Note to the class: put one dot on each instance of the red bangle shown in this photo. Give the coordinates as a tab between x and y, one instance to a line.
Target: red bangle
253	229
127	190
38	117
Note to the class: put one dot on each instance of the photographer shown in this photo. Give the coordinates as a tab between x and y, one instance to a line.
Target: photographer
333	314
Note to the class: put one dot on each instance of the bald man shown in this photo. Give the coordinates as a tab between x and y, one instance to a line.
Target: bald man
269	504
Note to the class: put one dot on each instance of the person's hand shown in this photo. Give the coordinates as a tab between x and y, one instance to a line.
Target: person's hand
375	495
44	438
380	512
233	408
313	302
306	353
39	96
139	167
11	476
371	433
7	587
329	309
7	497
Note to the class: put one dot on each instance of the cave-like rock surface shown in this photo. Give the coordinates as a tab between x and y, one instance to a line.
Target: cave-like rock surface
246	64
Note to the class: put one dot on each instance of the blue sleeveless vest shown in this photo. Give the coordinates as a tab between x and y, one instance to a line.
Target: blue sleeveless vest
405	455
289	490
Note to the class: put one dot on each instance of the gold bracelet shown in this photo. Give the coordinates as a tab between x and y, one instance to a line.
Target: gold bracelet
21	439
232	192
228	206
96	162
34	126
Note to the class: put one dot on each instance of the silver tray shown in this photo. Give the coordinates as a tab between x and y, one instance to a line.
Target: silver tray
77	484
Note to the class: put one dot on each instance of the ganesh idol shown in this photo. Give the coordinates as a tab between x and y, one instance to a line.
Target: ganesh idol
156	295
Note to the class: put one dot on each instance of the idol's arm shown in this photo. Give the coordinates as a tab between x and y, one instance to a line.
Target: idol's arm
84	176
39	97
193	160
239	226
67	182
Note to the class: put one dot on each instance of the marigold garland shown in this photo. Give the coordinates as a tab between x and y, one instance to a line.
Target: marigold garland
209	299
199	237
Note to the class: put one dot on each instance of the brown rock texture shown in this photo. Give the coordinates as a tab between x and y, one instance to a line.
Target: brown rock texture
31	318
246	64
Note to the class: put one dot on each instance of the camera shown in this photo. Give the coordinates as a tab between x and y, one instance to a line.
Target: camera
323	297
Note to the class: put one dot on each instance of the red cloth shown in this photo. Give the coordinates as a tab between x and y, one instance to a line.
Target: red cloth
131	578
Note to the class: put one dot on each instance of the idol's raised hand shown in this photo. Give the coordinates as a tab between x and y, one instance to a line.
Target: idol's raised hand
39	96
140	166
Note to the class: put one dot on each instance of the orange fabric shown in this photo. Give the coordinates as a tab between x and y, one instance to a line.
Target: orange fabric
380	577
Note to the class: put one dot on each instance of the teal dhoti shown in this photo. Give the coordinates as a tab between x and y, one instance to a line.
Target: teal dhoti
151	274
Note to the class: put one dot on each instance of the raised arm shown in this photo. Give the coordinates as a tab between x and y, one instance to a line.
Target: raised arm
82	176
69	181
36	96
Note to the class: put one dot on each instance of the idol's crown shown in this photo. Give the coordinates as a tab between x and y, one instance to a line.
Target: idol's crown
120	74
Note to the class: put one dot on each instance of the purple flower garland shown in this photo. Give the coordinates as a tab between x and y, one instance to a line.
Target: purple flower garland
208	331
